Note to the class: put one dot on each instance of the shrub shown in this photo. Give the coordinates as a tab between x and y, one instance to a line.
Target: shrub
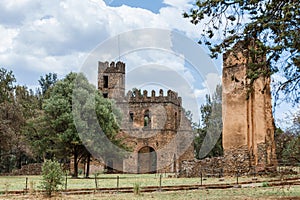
265	184
137	188
52	176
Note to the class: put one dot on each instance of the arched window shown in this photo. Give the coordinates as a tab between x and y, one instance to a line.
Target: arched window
147	119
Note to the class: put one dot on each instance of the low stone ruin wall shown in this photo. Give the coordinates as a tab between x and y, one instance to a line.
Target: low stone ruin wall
30	169
233	162
208	167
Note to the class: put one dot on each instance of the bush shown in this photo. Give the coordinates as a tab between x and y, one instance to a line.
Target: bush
137	188
52	176
265	184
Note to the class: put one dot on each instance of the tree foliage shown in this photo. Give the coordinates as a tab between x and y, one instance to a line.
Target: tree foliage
208	139
52	176
38	126
15	109
47	82
7	80
288	142
97	119
273	24
59	130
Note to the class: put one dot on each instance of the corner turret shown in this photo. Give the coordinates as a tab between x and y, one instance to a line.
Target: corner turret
111	79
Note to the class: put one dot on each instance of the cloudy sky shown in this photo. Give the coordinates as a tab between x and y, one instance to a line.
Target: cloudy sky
42	36
38	37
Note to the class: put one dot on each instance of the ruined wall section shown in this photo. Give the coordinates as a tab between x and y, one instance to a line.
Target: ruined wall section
165	114
234	101
247	114
164	111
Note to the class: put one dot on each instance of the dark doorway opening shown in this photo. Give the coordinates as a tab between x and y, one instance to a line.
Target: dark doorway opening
147	160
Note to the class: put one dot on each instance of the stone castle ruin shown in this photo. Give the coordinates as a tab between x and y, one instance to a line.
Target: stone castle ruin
248	125
152	125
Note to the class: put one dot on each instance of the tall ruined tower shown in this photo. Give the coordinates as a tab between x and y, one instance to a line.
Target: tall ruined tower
111	79
248	127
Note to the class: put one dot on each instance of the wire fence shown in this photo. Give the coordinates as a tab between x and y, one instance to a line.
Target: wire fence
26	184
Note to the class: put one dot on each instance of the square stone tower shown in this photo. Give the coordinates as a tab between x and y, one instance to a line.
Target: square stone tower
248	125
111	79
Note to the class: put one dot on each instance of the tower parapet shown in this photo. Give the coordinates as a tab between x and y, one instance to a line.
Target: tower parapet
138	97
106	67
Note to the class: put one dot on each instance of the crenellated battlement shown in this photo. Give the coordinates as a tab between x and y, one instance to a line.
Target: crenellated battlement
143	97
106	67
150	122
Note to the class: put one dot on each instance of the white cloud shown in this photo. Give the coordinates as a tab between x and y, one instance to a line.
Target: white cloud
7	36
181	4
38	37
54	31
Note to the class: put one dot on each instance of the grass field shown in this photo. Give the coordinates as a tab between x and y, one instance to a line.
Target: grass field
12	183
287	192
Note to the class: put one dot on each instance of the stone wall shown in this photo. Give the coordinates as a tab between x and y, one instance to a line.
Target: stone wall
153	121
248	126
30	169
237	161
208	167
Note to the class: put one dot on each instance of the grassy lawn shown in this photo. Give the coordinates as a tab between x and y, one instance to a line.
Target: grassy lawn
10	183
226	194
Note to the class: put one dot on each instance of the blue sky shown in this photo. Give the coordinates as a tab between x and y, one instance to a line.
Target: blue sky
152	5
57	36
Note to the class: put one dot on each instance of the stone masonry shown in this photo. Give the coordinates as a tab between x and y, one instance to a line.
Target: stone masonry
248	123
150	125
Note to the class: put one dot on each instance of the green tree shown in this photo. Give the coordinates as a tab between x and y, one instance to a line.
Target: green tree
7	80
52	176
26	103
6	89
61	132
47	82
288	142
39	134
97	119
59	118
292	151
12	122
17	105
275	23
208	138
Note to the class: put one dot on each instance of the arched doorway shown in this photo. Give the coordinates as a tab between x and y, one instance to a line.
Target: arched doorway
147	160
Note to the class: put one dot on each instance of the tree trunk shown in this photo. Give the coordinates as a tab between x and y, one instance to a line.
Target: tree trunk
75	175
88	166
19	160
